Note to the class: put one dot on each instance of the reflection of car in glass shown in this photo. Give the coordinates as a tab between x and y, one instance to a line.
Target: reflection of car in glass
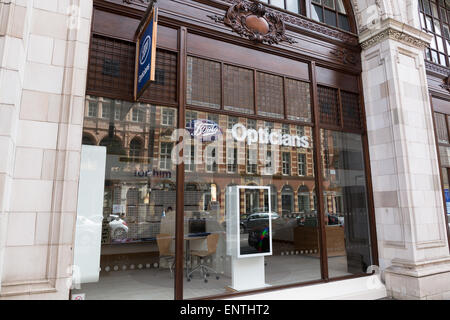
255	219
306	218
257	210
242	226
332	220
257	226
311	220
118	227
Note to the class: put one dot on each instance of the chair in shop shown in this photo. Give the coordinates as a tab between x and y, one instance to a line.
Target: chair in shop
164	242
212	241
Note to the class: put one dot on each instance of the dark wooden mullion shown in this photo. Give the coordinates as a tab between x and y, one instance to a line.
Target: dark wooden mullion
341	110
351	16
311	4
255	87
447	171
222	86
285	99
448	128
179	221
368	171
323	12
251	116
318	171
307	8
336	13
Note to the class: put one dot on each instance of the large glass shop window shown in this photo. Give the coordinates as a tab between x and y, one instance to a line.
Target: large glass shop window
442	122
346	210
248	153
138	227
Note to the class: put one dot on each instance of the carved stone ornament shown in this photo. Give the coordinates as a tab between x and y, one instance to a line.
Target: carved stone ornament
446	84
345	56
397	35
304	24
251	20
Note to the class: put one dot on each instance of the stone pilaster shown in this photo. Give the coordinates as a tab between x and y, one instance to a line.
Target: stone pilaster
14	18
411	229
42	92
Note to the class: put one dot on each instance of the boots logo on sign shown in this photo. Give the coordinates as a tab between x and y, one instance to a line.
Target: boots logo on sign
262	136
145	50
204	130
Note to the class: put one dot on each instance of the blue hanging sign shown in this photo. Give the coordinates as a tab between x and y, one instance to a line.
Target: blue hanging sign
146	52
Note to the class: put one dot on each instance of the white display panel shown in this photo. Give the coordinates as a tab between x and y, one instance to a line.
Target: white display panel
88	232
257	241
232	209
247	262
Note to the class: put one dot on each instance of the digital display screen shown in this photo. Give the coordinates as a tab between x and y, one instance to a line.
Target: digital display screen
255	222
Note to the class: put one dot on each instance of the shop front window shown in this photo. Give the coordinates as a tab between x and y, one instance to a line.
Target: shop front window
295	254
138	219
346	207
442	128
249	156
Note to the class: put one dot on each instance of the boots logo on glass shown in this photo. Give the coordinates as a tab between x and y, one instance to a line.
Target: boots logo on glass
204	130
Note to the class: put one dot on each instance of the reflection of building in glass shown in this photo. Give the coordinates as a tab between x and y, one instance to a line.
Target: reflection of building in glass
140	176
241	164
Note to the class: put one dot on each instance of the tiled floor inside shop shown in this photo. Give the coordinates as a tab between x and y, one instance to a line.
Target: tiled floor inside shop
149	282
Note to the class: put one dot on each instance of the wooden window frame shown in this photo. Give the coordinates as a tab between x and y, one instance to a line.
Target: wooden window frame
315	125
301	6
348	14
254	115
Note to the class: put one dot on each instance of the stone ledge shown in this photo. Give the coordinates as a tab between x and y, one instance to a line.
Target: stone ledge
26	288
420	280
394	30
420	268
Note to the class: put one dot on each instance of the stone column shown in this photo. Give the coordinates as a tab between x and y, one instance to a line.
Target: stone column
42	92
14	21
411	229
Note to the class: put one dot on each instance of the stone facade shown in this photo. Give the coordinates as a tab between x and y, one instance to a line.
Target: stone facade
43	63
411	227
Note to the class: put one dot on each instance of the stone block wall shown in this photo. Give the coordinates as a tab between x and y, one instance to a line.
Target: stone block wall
43	67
